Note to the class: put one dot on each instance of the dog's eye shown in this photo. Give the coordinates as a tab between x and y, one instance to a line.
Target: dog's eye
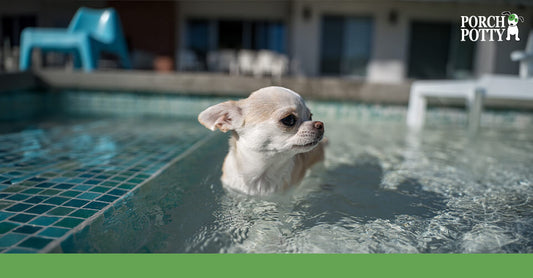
289	120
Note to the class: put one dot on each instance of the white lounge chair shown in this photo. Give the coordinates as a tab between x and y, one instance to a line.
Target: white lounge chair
505	87
525	58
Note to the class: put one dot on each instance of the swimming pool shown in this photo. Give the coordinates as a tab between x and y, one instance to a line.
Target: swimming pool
382	188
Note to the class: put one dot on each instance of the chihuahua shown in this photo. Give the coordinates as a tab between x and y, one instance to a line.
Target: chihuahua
273	140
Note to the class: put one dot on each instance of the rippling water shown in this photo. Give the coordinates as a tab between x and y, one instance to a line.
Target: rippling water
381	189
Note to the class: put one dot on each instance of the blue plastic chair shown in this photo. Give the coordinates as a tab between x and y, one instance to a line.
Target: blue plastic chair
89	33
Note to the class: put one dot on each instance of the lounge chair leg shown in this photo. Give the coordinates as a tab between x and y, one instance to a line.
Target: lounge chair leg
76	60
25	57
475	107
416	111
89	57
124	59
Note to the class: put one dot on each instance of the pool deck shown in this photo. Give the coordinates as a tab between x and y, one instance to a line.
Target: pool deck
221	84
212	84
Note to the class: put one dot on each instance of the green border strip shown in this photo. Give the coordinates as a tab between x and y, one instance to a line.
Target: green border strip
263	265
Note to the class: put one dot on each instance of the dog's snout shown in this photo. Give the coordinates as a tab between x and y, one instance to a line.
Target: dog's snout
318	125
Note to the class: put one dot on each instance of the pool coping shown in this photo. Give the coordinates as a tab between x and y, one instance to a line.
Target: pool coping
221	84
57	242
205	83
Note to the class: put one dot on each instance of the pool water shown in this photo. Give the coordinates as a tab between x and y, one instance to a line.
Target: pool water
381	189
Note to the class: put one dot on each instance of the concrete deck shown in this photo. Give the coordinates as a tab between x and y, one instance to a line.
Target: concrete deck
219	84
208	84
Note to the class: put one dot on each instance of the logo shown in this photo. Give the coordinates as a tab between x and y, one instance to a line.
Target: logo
490	28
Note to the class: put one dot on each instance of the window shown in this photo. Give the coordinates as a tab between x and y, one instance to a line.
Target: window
436	52
268	35
12	26
198	37
203	35
346	45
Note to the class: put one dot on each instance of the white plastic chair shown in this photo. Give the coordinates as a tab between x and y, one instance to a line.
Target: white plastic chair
227	61
263	63
525	58
279	66
246	61
188	60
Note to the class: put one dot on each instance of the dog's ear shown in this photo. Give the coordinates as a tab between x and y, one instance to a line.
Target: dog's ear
506	13
224	116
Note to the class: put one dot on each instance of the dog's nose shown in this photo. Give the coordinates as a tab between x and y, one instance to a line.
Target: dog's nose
318	125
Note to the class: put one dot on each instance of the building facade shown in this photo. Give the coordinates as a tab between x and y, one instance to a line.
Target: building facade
379	41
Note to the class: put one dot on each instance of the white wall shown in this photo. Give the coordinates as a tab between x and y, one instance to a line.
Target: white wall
390	43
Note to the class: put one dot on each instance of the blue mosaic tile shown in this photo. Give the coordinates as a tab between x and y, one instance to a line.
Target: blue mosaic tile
7	226
89	196
59	180
50	192
27	229
99	189
32	191
83	213
9	240
22	218
56	200
64	186
35	242
83	187
60	211
76	181
92	181
70	193
5	215
69	222
96	205
76	203
18	207
40	209
117	192
110	183
127	186
45	185
18	197
45	220
108	198
36	199
37	179
54	232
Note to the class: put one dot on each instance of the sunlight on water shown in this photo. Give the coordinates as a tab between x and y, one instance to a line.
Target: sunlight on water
381	189
384	189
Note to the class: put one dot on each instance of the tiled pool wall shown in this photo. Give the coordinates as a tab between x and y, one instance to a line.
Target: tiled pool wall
23	104
57	180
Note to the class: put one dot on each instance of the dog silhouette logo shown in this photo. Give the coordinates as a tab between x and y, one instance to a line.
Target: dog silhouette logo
512	21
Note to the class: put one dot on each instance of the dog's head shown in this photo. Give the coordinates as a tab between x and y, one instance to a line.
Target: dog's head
270	120
512	19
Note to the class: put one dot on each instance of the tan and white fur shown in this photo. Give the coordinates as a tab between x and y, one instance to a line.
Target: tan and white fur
273	140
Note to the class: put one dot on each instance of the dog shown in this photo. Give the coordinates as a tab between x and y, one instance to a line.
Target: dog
273	140
512	21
